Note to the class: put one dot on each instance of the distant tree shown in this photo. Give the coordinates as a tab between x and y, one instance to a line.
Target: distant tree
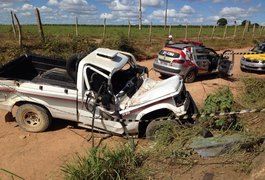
256	24
222	22
244	22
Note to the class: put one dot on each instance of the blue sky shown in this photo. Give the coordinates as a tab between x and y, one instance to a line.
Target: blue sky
205	12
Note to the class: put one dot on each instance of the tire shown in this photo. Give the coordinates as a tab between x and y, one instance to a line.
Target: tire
243	69
155	126
190	76
33	118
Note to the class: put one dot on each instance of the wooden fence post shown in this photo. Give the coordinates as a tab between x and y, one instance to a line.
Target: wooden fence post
253	31
244	31
169	30
235	31
13	25
129	29
213	32
19	31
150	32
186	32
199	34
39	24
104	29
224	36
76	26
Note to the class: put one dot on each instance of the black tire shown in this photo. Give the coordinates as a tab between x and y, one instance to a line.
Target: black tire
190	76
33	118
243	69
155	126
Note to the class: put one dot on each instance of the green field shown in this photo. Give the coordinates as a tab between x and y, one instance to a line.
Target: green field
61	40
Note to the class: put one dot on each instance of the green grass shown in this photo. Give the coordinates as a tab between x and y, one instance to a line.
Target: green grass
103	163
61	41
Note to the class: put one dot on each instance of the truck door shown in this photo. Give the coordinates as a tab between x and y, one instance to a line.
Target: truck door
226	63
93	106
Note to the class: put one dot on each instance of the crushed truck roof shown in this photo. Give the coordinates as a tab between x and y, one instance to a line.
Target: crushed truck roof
107	59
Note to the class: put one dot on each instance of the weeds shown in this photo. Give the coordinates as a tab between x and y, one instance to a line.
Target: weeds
253	94
102	163
221	101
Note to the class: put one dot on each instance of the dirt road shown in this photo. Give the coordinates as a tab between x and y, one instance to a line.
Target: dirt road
41	155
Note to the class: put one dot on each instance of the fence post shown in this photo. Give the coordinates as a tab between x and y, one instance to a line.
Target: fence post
76	26
19	31
186	32
213	32
224	36
129	30
235	31
104	29
253	31
169	30
13	25
199	34
244	31
140	14
39	24
150	32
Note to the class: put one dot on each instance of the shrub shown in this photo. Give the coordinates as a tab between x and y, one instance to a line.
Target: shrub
221	101
102	163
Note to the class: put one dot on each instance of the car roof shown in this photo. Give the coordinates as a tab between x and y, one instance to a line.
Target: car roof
185	43
107	59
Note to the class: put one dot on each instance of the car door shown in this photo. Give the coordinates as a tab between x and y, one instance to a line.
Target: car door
226	63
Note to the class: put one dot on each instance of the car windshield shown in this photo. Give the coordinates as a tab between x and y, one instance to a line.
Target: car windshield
169	54
259	48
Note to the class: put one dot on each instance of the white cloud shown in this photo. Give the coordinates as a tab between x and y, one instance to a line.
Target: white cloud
53	2
27	7
257	8
187	9
124	5
25	14
44	9
77	7
213	18
155	3
232	11
12	1
217	1
106	15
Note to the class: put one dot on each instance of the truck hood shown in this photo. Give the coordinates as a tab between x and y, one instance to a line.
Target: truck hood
152	90
260	57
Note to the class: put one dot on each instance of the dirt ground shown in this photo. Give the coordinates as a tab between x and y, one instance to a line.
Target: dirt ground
41	155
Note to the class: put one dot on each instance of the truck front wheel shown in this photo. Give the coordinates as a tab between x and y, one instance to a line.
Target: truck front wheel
154	126
33	118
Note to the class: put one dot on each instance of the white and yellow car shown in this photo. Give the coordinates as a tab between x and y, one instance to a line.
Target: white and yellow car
254	62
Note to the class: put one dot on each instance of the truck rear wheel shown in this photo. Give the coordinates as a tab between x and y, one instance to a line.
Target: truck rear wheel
33	118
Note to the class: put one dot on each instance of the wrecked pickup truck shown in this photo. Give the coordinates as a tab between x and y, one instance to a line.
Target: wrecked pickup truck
104	84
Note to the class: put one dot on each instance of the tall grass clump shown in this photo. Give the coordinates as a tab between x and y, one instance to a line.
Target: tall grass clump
103	163
253	93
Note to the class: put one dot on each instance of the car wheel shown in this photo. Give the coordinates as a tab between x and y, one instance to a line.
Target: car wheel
190	76
243	69
154	126
33	118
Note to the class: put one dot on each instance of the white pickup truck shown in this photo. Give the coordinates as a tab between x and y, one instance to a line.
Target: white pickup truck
104	84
